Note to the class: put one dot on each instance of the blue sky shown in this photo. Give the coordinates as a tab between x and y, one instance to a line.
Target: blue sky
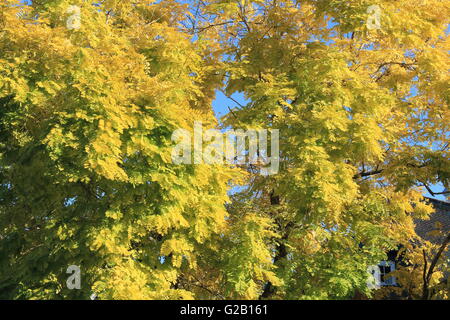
221	104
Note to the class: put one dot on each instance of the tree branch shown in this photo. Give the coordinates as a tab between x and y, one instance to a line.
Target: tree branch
427	274
366	174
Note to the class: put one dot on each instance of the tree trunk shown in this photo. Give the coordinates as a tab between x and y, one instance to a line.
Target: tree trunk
427	274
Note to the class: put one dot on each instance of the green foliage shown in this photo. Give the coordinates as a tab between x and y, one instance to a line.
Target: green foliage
87	114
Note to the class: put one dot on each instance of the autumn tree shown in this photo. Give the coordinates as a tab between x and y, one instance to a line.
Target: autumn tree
423	268
358	90
87	115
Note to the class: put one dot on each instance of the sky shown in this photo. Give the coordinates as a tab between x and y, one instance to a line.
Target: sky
221	104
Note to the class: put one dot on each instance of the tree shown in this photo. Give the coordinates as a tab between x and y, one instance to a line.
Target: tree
427	289
363	116
89	102
87	116
421	271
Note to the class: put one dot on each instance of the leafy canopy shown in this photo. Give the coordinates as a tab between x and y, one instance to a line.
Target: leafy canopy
87	114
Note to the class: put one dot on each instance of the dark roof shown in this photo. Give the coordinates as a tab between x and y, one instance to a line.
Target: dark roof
441	215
